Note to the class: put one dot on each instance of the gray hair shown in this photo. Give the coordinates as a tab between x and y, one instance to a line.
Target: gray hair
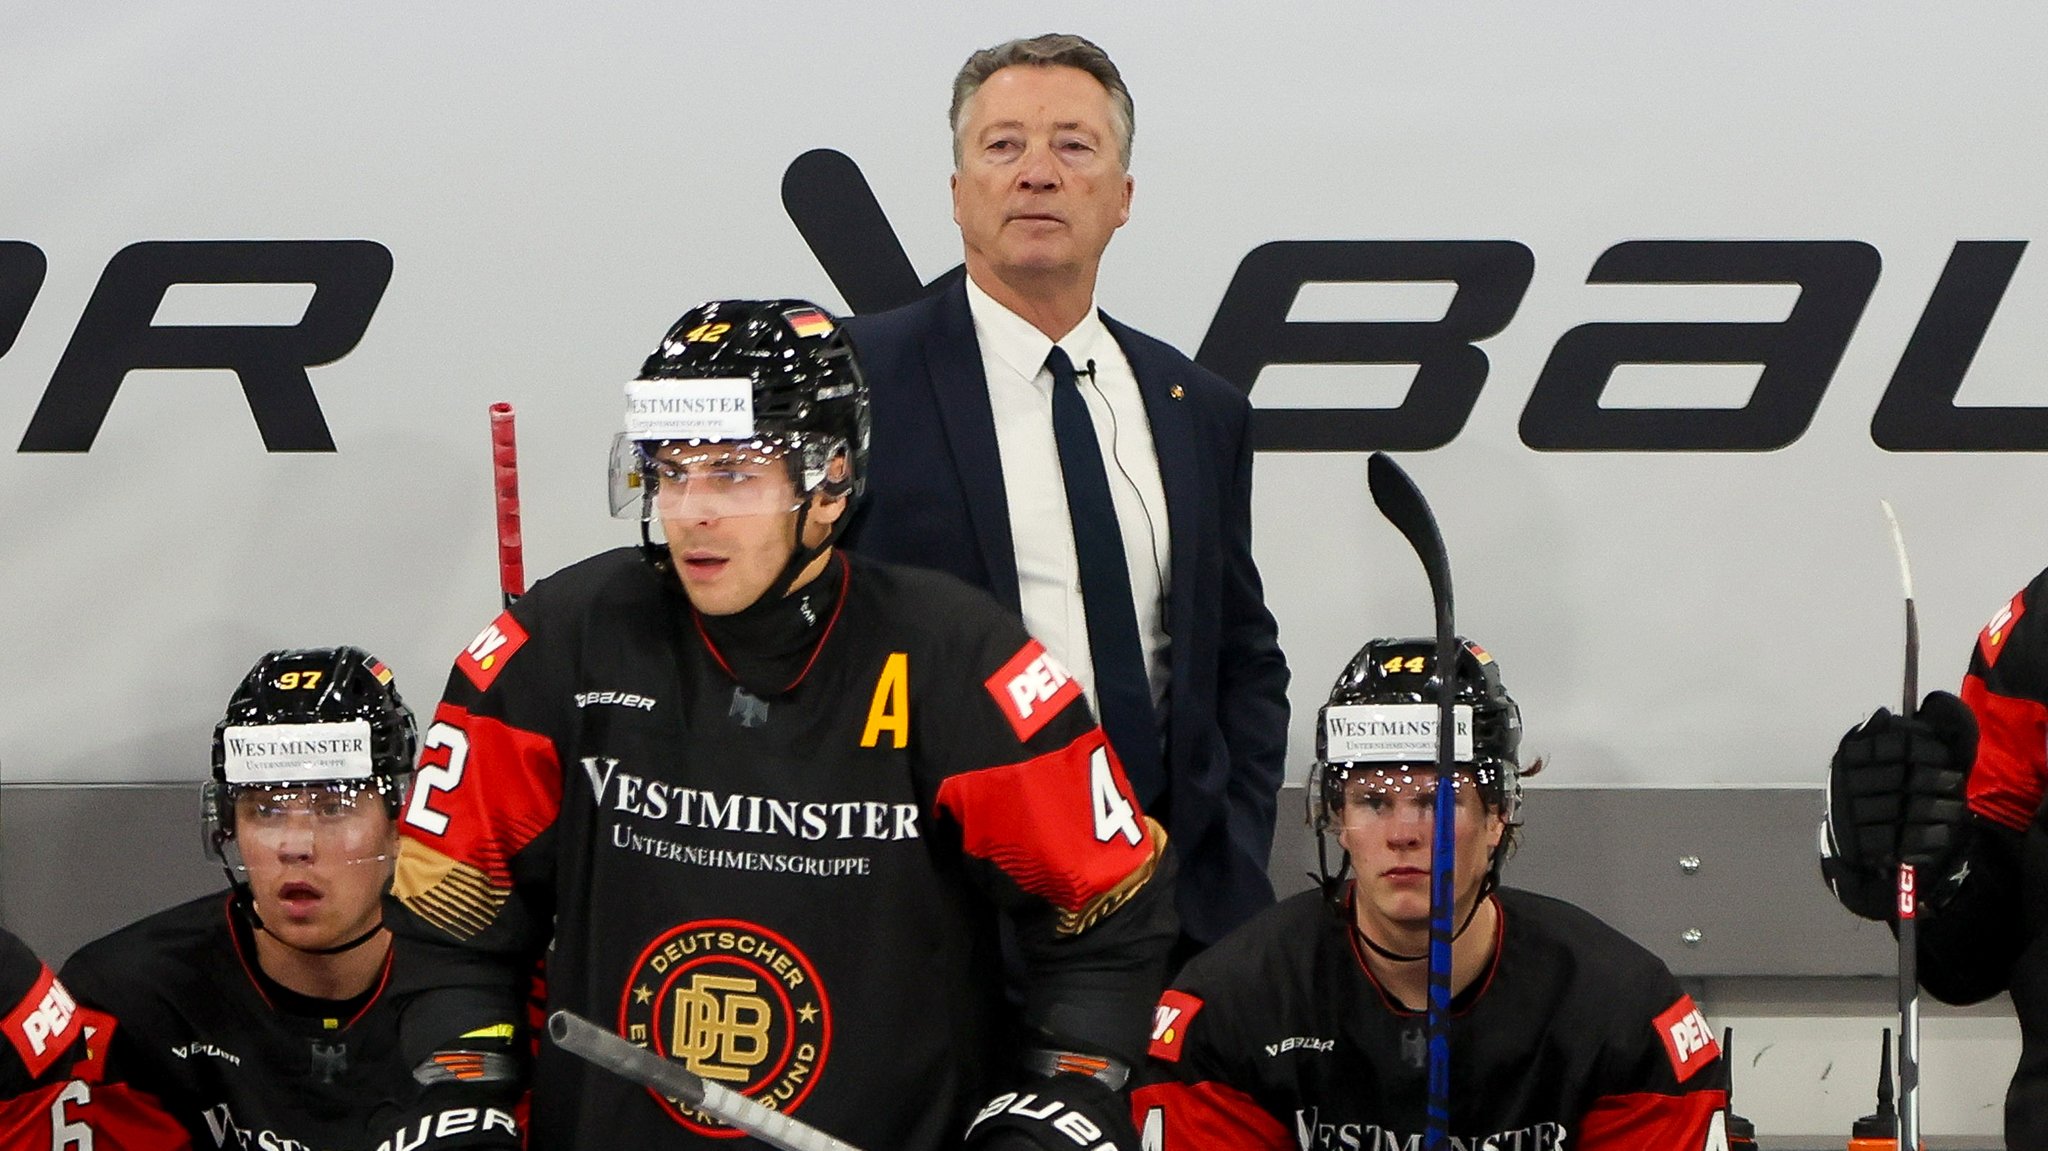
1053	49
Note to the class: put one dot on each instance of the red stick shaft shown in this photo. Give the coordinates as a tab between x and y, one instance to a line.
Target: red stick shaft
505	481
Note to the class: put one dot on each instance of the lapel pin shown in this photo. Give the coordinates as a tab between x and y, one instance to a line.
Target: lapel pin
1176	391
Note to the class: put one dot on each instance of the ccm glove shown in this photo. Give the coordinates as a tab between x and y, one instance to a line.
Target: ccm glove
1066	1112
1896	794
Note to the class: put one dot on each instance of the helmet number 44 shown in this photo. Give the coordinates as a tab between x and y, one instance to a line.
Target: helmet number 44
1114	815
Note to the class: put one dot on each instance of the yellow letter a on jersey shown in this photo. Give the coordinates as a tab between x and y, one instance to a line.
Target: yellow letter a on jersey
890	710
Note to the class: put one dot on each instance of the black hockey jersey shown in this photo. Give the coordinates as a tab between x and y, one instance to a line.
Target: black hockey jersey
793	895
238	1067
1992	935
53	1092
1575	1039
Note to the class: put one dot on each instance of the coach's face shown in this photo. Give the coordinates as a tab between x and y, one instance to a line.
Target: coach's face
1040	187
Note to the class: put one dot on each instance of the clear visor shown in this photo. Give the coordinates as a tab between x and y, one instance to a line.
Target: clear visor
700	479
347	821
1370	796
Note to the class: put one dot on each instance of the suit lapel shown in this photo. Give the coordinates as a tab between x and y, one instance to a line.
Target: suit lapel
960	387
1173	443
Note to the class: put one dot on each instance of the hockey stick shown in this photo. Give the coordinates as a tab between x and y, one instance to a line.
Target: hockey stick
1909	927
1402	503
581	1037
505	483
835	211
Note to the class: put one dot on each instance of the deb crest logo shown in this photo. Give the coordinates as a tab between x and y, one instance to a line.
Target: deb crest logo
487	654
739	1006
1032	688
40	1026
1688	1040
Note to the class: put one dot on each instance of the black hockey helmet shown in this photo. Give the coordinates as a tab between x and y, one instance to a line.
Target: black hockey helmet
308	717
805	398
765	378
1382	715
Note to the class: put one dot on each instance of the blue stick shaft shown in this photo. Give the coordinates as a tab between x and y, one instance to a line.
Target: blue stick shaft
1402	503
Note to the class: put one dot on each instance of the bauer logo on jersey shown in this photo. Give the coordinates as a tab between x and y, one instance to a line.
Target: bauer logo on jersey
296	752
1687	1038
690	409
1391	733
41	1025
1032	688
1999	630
737	1005
487	653
1170	1022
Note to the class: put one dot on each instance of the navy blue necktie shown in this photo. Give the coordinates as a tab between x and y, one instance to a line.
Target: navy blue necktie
1123	690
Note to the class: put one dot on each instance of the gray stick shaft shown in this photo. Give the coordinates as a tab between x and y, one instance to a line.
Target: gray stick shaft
1909	895
581	1037
1909	1009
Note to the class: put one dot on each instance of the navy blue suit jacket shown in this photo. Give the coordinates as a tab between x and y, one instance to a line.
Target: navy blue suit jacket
935	498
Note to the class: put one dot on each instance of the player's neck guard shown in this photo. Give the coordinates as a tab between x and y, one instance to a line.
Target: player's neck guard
770	646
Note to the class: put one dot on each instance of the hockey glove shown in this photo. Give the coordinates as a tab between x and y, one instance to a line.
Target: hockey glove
1066	1112
1896	793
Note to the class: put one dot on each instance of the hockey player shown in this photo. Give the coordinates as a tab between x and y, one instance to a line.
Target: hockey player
1957	791
53	1096
1305	1028
763	801
258	1016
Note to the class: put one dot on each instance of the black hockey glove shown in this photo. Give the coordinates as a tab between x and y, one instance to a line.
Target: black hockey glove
1896	793
1066	1112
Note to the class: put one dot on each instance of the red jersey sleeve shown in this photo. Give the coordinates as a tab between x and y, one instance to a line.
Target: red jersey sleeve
1182	1102
472	901
1016	763
2007	691
1671	1093
55	1092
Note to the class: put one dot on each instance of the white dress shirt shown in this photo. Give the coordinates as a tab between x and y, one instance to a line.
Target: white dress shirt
1048	573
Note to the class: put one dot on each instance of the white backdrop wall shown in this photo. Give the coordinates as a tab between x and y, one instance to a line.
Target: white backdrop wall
554	184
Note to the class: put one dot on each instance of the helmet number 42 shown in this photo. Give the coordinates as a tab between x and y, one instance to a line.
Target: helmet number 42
1114	815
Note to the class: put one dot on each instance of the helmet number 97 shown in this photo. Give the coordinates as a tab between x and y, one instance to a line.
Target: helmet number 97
433	777
299	680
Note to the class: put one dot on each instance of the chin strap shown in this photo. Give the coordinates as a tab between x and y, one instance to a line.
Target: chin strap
1393	957
247	904
801	557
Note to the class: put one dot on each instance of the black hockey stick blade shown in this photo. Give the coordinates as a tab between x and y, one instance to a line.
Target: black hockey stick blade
836	212
581	1037
1401	502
